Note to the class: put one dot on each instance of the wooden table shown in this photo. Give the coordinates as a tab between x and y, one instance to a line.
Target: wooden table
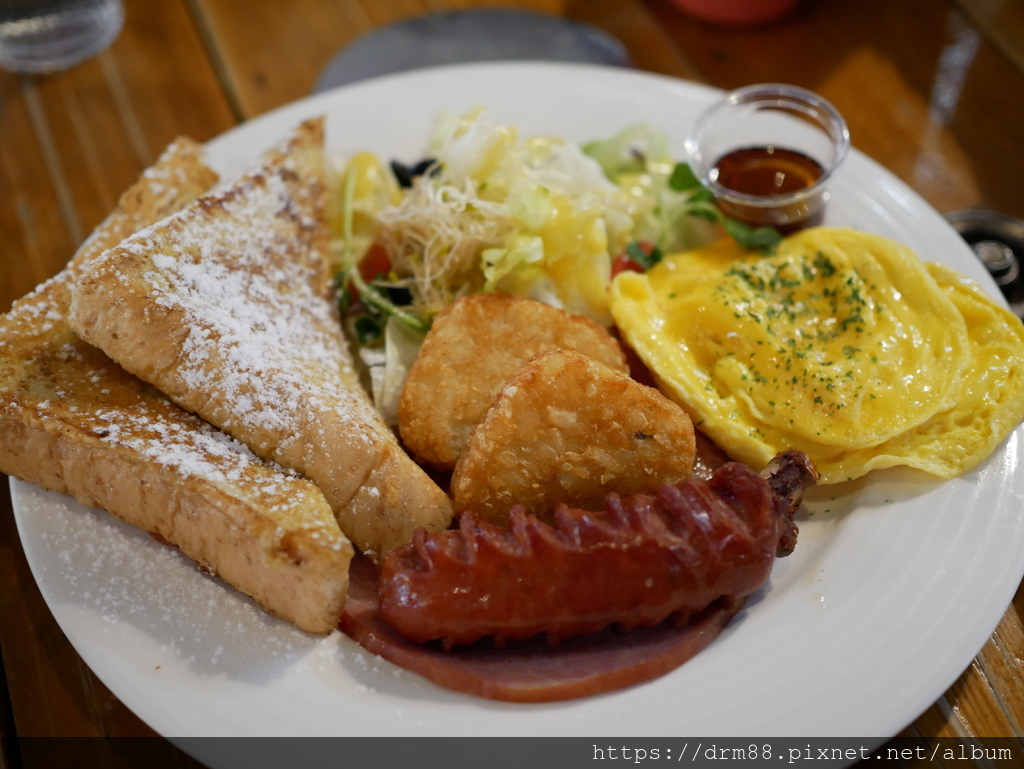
932	89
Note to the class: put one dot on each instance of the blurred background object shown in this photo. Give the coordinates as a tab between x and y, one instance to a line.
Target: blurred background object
737	12
51	35
484	34
998	240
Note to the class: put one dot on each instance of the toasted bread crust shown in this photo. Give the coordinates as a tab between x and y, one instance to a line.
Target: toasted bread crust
73	421
226	307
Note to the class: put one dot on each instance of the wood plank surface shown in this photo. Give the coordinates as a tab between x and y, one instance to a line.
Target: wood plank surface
1001	21
933	90
923	92
75	140
316	30
72	142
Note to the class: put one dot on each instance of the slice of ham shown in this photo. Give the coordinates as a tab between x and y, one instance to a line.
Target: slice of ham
724	534
530	671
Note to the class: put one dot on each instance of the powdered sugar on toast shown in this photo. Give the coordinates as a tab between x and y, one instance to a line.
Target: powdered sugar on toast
227	308
260	328
74	421
275	339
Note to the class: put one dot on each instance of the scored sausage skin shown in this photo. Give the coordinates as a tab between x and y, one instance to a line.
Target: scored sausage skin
644	559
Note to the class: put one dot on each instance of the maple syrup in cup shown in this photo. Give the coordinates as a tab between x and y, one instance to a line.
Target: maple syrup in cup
768	153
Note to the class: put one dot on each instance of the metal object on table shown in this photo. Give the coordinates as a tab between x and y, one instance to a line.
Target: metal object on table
493	34
998	240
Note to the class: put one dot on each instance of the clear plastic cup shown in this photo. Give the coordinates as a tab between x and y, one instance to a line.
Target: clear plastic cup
768	152
51	35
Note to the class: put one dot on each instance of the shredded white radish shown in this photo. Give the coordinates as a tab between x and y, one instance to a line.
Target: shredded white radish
435	236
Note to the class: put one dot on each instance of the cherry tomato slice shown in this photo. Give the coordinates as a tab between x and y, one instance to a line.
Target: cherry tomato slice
375	262
623	263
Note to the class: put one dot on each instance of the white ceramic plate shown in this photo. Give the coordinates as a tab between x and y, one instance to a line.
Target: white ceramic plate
895	585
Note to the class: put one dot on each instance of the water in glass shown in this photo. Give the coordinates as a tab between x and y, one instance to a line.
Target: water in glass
51	35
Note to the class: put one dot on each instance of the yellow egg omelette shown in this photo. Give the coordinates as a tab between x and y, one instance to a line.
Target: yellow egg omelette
839	343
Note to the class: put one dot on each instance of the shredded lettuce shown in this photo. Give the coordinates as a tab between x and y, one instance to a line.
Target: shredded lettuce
519	253
389	366
370	294
635	150
538	217
668	214
500	212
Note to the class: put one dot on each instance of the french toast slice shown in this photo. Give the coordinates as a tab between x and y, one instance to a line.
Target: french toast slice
227	307
73	421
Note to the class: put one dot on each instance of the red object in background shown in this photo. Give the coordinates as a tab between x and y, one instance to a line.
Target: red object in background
375	262
737	12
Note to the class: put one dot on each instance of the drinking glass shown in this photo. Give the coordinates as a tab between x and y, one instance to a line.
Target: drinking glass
51	35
